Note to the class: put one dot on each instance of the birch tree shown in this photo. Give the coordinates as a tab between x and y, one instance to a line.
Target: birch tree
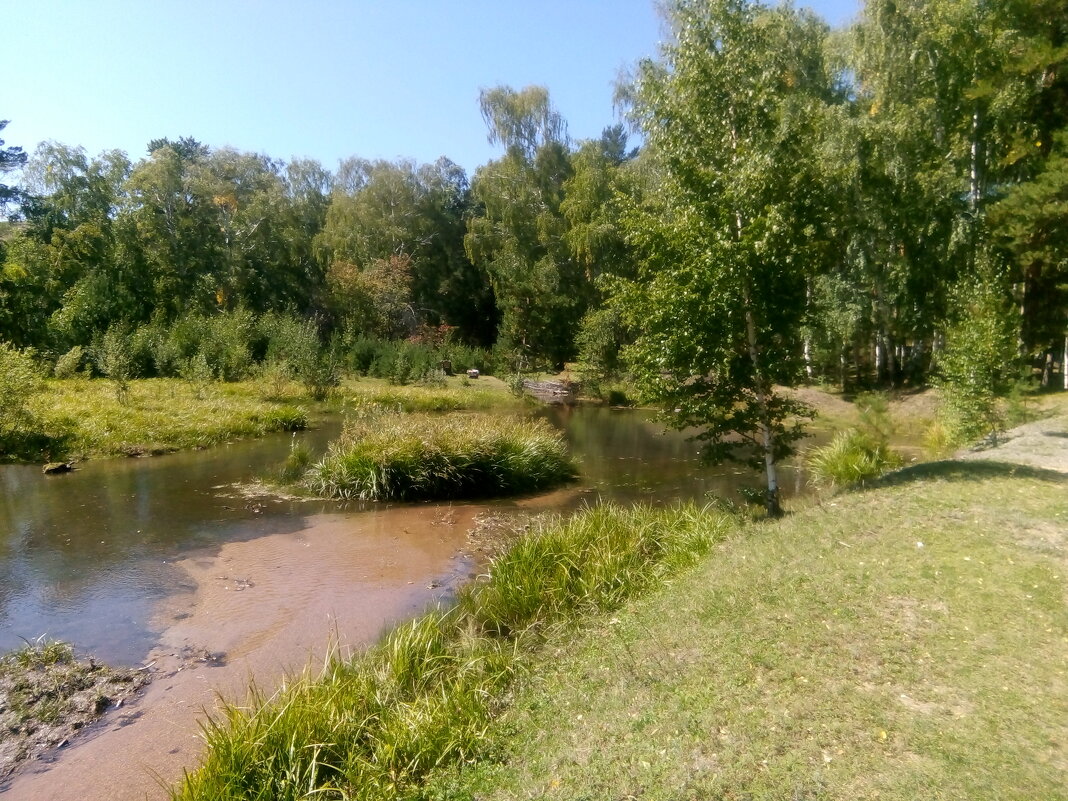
732	114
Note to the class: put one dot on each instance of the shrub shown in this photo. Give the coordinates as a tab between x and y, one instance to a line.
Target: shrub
113	358
979	362
68	365
383	456
20	380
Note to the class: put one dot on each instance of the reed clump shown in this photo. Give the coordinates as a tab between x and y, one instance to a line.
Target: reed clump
375	726
386	456
852	456
860	453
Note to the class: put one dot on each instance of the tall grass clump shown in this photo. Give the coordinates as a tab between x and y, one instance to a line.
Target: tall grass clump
861	453
385	456
378	725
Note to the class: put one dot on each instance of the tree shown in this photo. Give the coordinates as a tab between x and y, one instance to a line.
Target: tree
518	233
11	158
731	114
383	210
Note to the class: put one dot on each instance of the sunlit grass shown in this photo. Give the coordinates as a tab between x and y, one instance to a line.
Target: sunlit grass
80	418
455	394
895	643
387	456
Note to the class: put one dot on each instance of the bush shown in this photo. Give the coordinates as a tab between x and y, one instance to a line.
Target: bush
20	380
68	365
114	359
980	362
384	456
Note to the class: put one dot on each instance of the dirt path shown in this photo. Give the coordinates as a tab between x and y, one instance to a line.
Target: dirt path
1042	444
262	608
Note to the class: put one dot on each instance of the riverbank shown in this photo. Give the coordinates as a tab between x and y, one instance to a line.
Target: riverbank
889	642
899	642
267	608
77	419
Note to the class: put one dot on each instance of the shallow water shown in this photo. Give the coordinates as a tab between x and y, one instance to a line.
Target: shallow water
89	556
160	561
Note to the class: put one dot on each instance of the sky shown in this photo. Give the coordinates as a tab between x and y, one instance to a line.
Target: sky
321	79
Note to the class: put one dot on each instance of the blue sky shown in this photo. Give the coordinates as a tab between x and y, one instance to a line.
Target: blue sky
324	79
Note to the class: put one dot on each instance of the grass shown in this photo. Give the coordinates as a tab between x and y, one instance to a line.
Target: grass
852	456
387	456
378	725
901	642
79	418
458	393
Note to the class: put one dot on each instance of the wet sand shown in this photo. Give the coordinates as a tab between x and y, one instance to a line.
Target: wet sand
266	608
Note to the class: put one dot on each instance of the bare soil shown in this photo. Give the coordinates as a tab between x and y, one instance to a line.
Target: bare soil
47	697
1042	444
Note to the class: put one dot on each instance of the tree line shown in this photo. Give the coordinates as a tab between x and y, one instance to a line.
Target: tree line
871	206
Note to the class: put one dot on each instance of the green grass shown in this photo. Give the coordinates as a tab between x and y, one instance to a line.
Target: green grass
902	642
852	456
81	418
387	456
458	393
378	725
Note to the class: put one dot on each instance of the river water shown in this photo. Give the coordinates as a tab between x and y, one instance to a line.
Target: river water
88	556
162	562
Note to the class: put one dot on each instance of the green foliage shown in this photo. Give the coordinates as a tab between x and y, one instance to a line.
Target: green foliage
113	358
386	456
519	240
20	380
727	237
378	725
979	363
600	340
68	365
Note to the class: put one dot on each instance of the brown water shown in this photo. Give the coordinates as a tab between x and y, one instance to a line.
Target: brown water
157	561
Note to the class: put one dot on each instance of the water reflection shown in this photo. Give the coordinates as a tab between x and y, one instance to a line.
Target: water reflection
85	555
628	457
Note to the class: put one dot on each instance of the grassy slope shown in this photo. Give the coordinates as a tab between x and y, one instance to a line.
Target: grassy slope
829	655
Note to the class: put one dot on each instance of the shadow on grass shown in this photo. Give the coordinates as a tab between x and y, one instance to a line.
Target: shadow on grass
953	470
34	446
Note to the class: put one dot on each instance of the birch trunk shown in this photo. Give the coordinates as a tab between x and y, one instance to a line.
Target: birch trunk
767	433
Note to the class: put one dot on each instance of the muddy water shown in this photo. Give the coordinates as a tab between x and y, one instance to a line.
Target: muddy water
157	562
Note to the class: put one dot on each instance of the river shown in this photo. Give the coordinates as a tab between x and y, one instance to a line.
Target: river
162	562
